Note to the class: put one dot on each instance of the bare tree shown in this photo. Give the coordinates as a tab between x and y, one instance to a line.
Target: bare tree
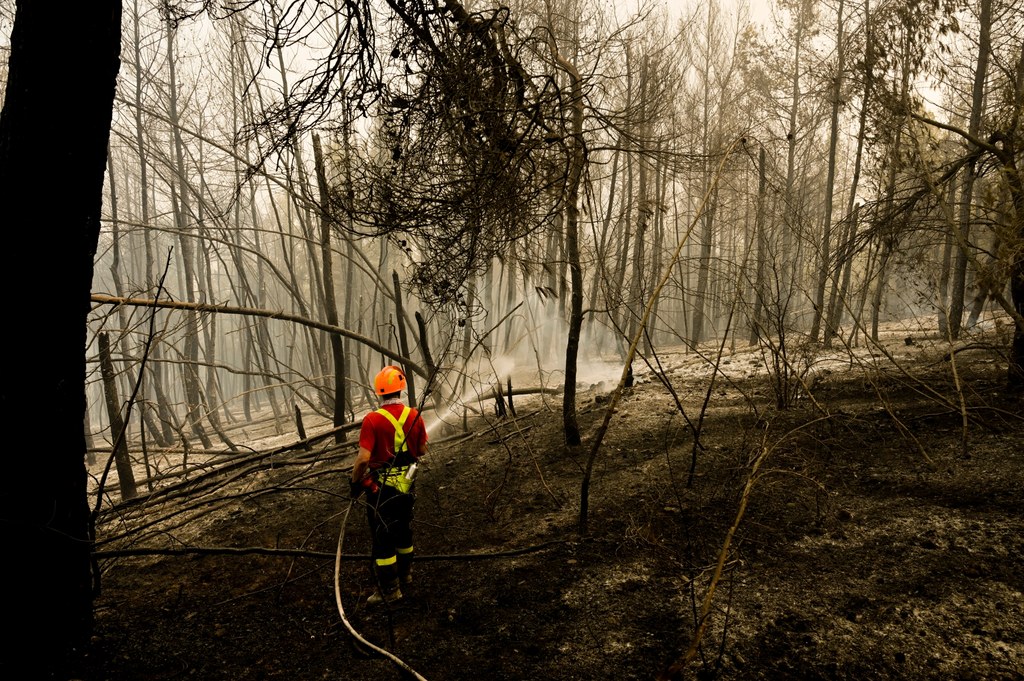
825	252
962	236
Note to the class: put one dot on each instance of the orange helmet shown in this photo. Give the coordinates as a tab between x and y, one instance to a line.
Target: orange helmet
389	380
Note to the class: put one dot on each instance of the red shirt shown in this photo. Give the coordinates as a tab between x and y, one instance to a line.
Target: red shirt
377	434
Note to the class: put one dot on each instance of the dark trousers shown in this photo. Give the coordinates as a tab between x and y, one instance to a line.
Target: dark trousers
389	513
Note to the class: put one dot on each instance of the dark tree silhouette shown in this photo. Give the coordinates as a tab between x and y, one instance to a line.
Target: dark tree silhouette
54	130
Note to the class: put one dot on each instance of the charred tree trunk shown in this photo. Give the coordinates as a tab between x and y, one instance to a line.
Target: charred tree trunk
760	283
45	514
825	255
118	429
577	160
330	304
403	336
963	235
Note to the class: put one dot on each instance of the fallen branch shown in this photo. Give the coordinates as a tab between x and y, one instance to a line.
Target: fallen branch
508	436
494	394
302	553
971	346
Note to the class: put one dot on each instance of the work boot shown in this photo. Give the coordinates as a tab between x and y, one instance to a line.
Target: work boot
388	583
406	577
389	597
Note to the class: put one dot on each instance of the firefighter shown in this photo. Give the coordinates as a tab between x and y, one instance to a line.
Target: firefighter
391	440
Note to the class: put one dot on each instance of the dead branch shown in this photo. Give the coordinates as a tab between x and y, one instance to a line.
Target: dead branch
257	312
303	553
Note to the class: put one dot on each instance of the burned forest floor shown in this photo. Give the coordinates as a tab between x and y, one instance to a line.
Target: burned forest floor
875	530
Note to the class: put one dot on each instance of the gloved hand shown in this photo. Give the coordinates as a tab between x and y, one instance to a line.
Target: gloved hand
367	484
355	489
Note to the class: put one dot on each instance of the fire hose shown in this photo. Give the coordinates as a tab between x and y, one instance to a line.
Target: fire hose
341	608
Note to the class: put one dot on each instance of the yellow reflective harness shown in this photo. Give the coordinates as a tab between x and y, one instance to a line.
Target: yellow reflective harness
394	476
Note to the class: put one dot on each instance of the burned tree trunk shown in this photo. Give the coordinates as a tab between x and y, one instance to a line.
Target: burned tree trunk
45	511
